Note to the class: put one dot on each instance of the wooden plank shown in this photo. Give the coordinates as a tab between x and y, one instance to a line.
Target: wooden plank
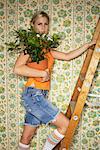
83	71
80	81
81	78
82	97
97	30
78	85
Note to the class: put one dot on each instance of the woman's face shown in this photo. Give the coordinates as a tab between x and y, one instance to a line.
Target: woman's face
41	25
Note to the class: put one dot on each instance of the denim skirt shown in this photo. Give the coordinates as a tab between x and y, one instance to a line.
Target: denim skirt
39	110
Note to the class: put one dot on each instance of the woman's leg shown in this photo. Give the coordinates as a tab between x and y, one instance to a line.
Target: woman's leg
26	137
61	122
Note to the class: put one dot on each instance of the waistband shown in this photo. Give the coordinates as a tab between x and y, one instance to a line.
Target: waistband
35	90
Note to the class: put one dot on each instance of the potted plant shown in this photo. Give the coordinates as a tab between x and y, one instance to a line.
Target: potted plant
34	44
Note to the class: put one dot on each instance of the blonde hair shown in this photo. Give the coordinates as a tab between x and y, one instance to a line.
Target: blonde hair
38	14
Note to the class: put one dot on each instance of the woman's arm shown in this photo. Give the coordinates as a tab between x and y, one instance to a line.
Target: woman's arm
73	54
21	68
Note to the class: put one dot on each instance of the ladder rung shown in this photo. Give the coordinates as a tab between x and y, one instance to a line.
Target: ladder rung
94	95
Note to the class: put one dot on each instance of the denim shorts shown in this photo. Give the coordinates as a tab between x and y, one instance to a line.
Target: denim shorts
38	109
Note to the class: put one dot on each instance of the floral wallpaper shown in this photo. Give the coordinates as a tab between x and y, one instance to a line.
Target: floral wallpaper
75	21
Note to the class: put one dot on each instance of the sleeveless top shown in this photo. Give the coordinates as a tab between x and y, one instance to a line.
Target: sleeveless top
42	85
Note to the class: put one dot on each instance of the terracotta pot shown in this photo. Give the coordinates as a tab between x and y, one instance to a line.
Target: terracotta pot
42	65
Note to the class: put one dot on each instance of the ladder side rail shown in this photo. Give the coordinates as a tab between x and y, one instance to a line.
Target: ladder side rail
82	74
82	96
83	70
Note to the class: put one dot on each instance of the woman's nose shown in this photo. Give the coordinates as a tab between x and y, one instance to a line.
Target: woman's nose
43	27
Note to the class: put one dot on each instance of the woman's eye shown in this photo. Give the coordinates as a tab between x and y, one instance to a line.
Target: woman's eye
39	23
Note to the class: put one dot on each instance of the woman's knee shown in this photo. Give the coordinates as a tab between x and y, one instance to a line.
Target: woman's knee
61	122
64	126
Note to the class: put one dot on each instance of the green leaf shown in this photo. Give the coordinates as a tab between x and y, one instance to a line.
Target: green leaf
32	43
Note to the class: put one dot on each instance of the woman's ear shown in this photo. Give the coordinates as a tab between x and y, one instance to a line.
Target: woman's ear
32	25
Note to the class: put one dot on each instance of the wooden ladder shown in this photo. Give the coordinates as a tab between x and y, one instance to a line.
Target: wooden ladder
81	90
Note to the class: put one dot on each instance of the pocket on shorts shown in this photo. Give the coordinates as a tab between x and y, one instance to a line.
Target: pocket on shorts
29	97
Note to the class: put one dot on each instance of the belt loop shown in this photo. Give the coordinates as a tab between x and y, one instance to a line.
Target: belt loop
26	90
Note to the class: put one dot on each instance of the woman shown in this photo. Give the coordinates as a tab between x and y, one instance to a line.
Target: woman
38	109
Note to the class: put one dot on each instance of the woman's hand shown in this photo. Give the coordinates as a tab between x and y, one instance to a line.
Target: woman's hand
46	76
92	42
